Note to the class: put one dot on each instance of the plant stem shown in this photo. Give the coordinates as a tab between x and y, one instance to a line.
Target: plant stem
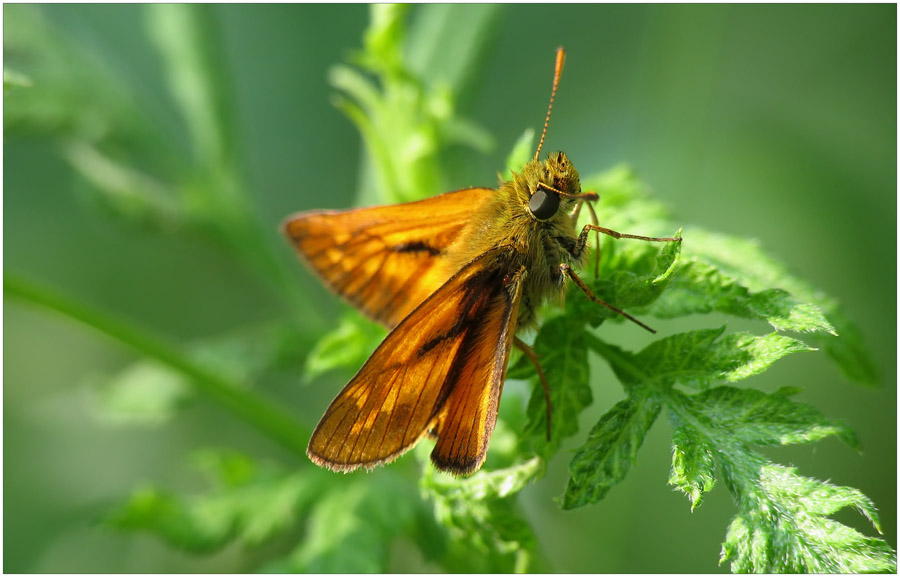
251	407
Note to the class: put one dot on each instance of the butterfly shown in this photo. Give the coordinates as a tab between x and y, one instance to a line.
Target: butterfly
454	277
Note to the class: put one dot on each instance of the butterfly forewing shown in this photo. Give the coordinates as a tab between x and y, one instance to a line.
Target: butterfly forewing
440	370
385	260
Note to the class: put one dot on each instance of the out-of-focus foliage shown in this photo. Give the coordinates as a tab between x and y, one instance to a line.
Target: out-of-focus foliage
182	169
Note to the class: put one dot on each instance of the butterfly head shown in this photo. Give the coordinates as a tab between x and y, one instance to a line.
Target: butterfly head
551	185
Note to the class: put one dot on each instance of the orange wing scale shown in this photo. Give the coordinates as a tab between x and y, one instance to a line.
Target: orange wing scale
441	370
385	260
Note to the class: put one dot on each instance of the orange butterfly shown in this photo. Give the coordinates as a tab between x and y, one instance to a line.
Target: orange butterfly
454	276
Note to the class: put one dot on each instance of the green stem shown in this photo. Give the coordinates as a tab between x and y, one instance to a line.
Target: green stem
261	413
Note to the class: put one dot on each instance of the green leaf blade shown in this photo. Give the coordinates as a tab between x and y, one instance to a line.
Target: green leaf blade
347	346
562	353
610	451
693	465
784	530
742	280
756	418
697	359
349	530
480	516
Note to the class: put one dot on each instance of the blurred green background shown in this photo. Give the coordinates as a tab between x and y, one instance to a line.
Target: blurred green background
772	122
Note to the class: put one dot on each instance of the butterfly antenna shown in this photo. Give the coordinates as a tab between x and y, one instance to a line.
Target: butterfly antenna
560	58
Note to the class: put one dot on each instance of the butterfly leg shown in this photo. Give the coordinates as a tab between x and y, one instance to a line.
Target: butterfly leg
533	357
567	271
590	196
597	249
581	242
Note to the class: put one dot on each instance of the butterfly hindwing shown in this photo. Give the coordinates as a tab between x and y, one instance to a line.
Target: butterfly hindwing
465	421
440	370
385	260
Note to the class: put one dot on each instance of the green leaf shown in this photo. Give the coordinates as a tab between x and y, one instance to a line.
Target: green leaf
702	288
13	79
726	417
410	119
126	192
350	529
742	284
186	39
693	465
632	274
520	154
785	529
144	393
149	393
447	43
730	275
246	503
756	418
610	450
562	353
782	523
485	530
697	358
347	346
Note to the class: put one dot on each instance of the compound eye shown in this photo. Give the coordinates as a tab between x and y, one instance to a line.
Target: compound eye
543	204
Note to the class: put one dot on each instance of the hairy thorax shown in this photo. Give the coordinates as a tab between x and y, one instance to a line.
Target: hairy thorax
504	226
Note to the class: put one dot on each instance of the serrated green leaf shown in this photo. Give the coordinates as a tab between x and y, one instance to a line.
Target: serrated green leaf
632	275
499	483
761	353
745	262
562	353
756	418
732	275
702	288
693	465
697	358
609	452
480	517
723	416
782	528
782	523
